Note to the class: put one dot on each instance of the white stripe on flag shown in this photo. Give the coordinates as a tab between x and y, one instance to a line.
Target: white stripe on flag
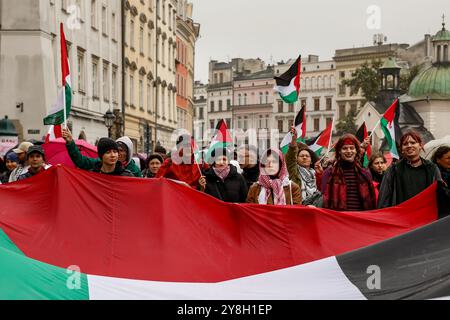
319	280
285	91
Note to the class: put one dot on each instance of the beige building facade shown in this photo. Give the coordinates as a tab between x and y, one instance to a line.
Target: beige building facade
149	86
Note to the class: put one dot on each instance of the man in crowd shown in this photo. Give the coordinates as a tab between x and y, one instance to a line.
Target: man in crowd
409	176
125	149
22	168
35	157
108	153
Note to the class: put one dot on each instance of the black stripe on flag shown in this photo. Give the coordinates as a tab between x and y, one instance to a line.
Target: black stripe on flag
415	265
285	79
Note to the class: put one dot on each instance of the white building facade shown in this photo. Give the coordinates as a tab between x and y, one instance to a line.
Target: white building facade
30	70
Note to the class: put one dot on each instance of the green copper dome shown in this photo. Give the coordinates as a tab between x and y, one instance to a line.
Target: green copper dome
442	35
433	83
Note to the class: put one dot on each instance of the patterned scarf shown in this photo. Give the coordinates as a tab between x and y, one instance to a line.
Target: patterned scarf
309	184
275	185
222	174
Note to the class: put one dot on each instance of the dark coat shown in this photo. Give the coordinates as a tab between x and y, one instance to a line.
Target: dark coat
251	175
233	189
444	194
390	190
118	171
334	190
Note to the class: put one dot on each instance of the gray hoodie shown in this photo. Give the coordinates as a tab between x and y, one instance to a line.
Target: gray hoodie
127	141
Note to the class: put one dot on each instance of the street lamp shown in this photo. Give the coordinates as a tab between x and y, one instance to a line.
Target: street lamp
109	121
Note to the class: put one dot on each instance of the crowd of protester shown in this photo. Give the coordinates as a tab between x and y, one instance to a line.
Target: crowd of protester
248	175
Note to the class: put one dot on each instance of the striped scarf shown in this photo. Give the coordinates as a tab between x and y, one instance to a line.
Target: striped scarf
222	174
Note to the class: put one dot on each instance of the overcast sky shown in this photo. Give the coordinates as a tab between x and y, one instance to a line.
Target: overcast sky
281	29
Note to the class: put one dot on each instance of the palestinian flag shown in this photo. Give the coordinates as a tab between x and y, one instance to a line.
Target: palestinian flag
323	140
61	110
388	126
54	133
300	127
288	84
194	246
362	134
221	139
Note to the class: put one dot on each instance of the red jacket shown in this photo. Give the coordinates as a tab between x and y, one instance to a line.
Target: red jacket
189	173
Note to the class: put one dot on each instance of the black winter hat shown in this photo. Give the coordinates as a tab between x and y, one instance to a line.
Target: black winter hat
35	149
106	144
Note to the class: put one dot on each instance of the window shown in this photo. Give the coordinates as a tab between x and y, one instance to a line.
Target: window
104	21
228	104
329	104
291	107
316	125
342	74
150	49
316	104
114	84
81	68
211	124
220	105
280	106
341	90
95	81
163	52
200	114
329	120
132	34
163	102
131	89
141	94
260	98
141	40
342	111
221	77
353	108
105	80
113	26
291	124
94	14
149	97
245	99
212	106
239	99
164	11
267	97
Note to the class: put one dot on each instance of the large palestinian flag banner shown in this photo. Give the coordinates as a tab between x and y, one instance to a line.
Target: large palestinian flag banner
156	239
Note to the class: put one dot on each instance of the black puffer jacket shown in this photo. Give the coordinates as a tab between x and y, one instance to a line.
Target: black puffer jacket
251	175
233	189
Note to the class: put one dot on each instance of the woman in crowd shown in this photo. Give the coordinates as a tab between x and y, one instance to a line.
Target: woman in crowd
11	162
377	167
152	165
442	159
222	181
274	186
300	162
408	177
346	186
247	156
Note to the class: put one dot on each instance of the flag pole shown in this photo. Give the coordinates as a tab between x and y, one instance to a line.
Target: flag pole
329	143
63	49
376	126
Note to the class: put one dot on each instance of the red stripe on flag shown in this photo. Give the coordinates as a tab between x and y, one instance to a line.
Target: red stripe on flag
64	58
